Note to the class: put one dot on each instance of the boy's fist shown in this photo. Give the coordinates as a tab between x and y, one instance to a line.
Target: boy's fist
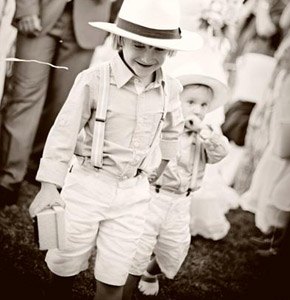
48	196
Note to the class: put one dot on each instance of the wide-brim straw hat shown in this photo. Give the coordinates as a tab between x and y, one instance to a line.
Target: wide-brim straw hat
151	22
220	90
201	67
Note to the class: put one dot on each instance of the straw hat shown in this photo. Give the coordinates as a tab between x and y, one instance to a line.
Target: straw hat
151	22
203	67
253	75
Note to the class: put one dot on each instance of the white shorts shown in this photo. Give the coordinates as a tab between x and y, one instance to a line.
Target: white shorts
105	213
166	234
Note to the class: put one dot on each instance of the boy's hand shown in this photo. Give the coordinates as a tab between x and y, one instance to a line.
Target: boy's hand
48	196
30	25
152	177
210	139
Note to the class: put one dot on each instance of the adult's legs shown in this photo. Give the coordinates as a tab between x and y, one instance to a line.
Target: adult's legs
76	59
21	115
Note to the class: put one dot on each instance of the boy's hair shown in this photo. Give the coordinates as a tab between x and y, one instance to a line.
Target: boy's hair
199	85
118	42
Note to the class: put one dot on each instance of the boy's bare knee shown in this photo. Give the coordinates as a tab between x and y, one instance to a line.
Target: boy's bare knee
106	291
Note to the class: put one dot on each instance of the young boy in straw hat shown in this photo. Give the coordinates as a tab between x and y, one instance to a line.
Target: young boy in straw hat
121	107
167	231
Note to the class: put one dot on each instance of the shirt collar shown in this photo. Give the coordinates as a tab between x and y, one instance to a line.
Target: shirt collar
122	74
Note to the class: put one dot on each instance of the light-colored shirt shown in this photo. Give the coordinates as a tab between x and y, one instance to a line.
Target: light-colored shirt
177	175
133	115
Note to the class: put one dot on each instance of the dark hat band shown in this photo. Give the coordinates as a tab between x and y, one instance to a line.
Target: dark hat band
148	32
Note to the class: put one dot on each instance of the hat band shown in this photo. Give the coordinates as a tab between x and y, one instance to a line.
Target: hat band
148	32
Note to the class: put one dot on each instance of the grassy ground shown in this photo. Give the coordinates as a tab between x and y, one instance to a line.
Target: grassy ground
223	270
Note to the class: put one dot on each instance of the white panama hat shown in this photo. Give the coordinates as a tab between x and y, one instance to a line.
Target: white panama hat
220	90
202	67
152	22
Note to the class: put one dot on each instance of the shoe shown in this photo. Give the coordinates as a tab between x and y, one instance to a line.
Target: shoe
149	286
262	242
271	252
8	197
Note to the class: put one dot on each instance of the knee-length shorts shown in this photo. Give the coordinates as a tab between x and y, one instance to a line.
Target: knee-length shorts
105	213
166	234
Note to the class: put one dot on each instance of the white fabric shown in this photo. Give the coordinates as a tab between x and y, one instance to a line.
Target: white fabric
166	233
100	212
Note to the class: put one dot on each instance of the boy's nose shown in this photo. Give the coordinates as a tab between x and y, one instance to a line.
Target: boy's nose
148	56
196	108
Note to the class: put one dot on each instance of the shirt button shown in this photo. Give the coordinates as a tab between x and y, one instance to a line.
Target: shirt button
125	177
136	144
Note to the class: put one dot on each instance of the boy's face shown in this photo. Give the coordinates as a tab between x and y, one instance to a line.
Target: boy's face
195	101
143	59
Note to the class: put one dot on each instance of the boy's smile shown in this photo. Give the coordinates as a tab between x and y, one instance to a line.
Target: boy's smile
143	59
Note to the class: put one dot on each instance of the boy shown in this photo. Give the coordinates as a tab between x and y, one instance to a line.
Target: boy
167	233
120	107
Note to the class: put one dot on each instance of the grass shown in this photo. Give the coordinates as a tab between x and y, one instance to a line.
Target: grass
228	269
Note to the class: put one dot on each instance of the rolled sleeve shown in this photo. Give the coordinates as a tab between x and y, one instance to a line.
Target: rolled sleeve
173	124
62	138
220	149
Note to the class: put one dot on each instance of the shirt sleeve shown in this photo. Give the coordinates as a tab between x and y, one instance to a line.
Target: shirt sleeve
62	138
217	149
173	123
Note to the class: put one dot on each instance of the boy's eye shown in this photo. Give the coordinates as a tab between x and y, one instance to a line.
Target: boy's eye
191	102
159	49
204	105
139	46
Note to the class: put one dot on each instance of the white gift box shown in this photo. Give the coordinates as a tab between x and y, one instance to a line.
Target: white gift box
51	228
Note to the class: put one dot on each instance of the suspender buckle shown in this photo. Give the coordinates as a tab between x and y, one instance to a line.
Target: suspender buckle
100	120
157	188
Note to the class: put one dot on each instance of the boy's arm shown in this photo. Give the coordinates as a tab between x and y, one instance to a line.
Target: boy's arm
216	145
173	125
62	138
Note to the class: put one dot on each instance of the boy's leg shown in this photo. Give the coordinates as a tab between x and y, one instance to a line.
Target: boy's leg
130	286
108	292
60	287
149	284
153	267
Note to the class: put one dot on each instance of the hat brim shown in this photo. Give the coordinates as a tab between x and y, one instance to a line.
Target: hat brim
189	41
220	91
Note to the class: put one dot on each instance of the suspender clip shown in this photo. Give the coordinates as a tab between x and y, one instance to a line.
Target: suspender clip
100	120
157	188
188	192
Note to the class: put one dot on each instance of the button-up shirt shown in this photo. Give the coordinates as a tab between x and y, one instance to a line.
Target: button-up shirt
177	176
133	115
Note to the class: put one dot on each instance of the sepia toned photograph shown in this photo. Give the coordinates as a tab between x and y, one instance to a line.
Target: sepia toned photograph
145	149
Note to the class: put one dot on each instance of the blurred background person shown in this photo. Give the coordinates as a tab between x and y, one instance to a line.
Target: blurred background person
268	195
57	32
7	37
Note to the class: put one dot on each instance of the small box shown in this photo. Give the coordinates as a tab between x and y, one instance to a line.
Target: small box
50	228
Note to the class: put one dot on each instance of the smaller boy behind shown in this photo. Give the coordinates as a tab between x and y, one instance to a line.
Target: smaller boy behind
167	232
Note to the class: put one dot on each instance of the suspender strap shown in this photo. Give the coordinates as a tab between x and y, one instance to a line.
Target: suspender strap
195	166
155	140
101	104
